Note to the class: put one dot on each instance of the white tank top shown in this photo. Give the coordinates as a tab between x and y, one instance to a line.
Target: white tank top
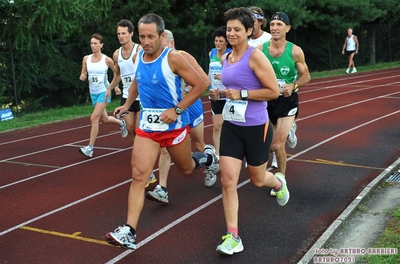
97	71
127	70
351	44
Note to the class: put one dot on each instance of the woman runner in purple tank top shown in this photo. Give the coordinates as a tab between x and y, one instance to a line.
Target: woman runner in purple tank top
250	81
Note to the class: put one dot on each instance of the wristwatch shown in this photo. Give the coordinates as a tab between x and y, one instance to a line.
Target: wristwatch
244	94
178	110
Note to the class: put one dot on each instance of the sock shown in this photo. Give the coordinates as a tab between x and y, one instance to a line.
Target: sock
200	159
90	146
122	123
209	160
133	231
280	186
234	231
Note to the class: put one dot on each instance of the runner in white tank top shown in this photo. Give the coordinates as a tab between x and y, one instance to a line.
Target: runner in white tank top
96	66
350	47
125	72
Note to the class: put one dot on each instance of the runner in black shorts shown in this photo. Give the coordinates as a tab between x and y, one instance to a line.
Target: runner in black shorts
282	107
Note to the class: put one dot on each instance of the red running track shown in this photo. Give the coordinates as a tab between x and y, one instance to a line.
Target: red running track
57	205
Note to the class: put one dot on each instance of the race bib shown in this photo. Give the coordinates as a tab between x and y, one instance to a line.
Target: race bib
281	84
96	79
151	120
235	110
127	79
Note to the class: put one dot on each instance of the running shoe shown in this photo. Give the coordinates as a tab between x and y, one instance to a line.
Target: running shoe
230	245
210	178
87	151
282	195
210	150
273	193
354	70
348	71
158	195
292	139
274	163
124	131
122	237
150	180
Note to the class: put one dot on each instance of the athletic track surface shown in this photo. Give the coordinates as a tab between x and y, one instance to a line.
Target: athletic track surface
57	205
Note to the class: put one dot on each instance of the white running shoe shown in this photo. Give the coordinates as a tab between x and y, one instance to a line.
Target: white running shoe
158	195
354	70
274	163
210	150
124	131
87	151
292	138
348	71
210	178
122	237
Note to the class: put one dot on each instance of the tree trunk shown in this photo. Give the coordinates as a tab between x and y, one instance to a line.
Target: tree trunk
372	51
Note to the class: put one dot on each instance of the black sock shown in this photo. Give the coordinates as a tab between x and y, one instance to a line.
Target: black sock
133	231
209	160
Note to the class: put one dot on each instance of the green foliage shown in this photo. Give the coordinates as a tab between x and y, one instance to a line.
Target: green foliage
50	37
30	21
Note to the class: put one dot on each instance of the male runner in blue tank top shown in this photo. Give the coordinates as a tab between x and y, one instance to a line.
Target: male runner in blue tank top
196	115
163	120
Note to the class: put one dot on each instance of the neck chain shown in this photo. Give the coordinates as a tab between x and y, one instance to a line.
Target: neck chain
238	56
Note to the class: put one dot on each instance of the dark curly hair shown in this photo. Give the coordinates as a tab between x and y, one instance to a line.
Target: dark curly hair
242	14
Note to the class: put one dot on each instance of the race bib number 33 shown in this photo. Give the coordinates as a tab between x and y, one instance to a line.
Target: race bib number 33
151	119
235	110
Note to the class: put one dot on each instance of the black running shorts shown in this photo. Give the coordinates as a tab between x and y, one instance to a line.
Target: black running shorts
283	107
252	142
135	106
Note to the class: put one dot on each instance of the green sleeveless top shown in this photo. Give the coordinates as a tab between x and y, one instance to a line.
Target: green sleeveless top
284	66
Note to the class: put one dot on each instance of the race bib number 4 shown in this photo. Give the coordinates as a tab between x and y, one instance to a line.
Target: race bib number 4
151	120
235	110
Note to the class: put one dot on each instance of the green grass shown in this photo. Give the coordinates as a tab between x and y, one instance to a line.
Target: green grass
53	115
390	238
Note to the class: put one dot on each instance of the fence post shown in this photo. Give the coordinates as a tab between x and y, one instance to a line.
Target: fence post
13	76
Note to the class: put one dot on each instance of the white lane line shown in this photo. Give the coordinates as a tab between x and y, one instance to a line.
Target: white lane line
62	168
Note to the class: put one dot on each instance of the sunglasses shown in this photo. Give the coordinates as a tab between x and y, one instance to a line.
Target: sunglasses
257	15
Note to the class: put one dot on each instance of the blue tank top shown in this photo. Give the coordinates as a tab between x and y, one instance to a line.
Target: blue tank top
159	89
239	76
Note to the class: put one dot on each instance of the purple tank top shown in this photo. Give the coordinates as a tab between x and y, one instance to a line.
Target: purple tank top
239	76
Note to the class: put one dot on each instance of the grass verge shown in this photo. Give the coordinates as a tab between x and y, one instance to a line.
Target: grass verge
390	238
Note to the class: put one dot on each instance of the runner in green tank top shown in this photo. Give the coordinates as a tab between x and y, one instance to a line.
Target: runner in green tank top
291	71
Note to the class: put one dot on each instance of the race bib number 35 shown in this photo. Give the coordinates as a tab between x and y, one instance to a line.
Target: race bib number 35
151	120
235	110
96	79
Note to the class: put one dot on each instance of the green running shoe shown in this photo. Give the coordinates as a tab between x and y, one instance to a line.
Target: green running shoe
230	245
282	195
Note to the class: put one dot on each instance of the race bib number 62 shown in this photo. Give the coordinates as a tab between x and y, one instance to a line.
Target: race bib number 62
151	120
